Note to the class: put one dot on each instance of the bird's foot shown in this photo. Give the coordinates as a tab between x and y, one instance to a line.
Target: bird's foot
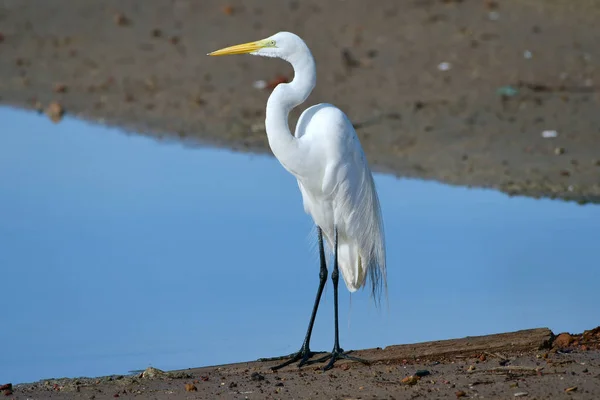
304	355
337	354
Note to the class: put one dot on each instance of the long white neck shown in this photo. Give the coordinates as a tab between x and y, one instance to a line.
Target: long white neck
283	99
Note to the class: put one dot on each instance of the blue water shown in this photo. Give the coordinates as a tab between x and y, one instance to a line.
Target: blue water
118	252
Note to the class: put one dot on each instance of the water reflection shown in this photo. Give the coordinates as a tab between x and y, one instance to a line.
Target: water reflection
119	252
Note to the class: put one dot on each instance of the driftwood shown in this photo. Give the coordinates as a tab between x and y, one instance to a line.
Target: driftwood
498	344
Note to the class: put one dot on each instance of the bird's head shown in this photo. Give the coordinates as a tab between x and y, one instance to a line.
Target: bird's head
281	45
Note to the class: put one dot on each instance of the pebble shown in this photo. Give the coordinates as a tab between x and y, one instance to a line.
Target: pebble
261	84
549	134
411	380
60	88
121	19
521	394
444	66
152	372
55	111
563	340
190	387
257	377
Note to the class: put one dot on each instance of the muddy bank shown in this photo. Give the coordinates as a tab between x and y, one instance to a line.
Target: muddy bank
532	363
456	91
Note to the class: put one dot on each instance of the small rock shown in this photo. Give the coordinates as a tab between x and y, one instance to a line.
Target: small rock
444	66
507	91
179	375
471	368
549	134
349	60
279	384
422	372
60	88
197	100
521	394
152	372
121	19
411	380
257	377
482	357
460	393
559	150
174	40
156	33
563	340
190	387
491	5
55	111
571	389
228	10
261	84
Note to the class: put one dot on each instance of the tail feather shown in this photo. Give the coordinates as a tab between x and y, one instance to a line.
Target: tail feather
350	263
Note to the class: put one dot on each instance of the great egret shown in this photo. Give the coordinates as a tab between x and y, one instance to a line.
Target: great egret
334	178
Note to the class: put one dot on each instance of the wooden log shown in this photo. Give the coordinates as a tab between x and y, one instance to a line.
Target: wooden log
506	343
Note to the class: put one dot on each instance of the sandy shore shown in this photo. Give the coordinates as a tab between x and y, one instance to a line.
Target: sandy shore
516	69
532	363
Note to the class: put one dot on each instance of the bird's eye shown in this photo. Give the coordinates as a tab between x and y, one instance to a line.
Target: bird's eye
272	43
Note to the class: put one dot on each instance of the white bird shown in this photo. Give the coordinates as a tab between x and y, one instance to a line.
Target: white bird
334	178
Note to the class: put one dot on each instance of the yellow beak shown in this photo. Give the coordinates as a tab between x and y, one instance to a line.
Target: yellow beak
244	48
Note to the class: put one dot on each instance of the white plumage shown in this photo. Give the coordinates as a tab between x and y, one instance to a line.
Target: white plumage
338	190
333	175
326	157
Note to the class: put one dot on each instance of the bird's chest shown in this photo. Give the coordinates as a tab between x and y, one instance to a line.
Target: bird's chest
316	204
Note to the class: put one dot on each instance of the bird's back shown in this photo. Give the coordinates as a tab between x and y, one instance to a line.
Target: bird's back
338	189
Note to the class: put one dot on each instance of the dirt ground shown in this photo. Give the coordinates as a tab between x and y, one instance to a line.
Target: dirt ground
459	91
533	363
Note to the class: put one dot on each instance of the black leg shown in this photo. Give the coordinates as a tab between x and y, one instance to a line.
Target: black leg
305	353
337	352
